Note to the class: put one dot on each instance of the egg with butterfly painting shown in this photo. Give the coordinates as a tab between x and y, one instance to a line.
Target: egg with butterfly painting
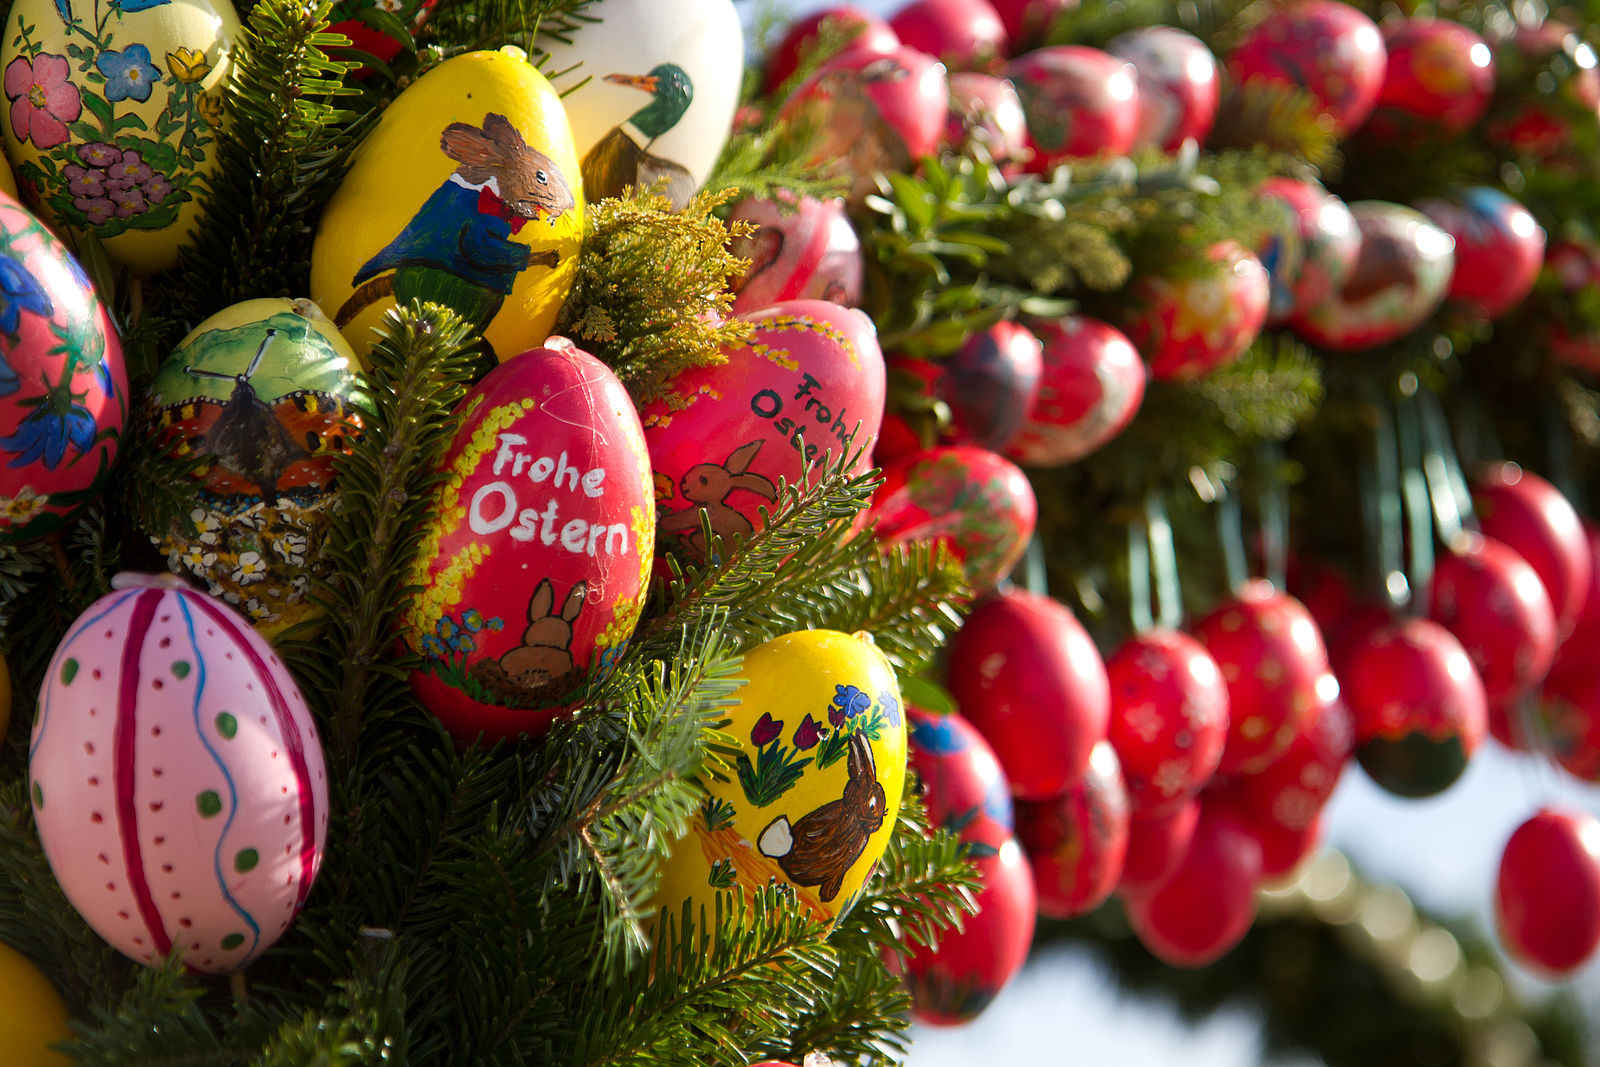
261	397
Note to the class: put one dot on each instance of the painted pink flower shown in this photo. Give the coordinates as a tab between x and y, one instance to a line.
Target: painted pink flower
43	101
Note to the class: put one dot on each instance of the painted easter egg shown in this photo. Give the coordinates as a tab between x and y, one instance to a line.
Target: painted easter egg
1028	21
63	389
467	194
862	27
1438	79
367	22
819	773
808	387
650	89
1189	326
1178	85
1077	842
979	504
1547	891
802	249
1540	524
32	1015
961	34
1156	845
266	392
1328	49
986	387
1311	250
1499	249
1091	384
8	183
963	788
533	569
1169	717
987	111
1079	102
112	112
1400	278
178	783
865	113
1207	904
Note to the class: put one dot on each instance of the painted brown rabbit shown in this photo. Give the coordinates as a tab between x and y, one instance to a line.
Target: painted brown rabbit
457	248
545	655
820	848
707	486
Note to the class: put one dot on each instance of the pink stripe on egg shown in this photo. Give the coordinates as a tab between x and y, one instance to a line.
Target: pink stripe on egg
293	747
123	742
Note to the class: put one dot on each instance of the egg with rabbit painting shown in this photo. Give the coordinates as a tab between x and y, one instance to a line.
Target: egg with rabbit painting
815	788
532	571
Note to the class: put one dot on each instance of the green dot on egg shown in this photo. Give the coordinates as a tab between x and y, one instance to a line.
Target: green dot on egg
38	796
227	725
208	803
69	671
180	668
246	859
232	941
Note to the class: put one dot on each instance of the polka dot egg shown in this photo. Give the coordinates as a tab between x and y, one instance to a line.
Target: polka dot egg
178	783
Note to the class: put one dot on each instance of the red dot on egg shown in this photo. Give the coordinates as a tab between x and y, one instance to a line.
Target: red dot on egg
157	772
185	923
138	941
123	915
160	839
111	887
96	817
108	635
176	895
166	868
166	642
88	748
205	962
166	618
103	858
157	805
155	731
94	779
287	819
95	674
155	683
194	946
227	655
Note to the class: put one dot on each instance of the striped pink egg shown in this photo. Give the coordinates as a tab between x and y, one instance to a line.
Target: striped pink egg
178	783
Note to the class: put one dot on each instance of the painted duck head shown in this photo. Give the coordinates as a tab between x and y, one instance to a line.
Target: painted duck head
672	90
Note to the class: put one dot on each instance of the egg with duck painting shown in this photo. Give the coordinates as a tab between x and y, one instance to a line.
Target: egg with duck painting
111	116
651	90
812	797
63	387
467	194
533	566
263	395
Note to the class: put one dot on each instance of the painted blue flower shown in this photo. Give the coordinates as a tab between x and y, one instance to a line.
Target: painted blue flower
890	706
129	73
496	624
20	291
464	643
472	619
445	628
997	803
46	433
432	646
937	735
848	702
137	5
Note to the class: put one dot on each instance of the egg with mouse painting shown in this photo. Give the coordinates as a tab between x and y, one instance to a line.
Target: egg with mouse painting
811	800
467	194
532	569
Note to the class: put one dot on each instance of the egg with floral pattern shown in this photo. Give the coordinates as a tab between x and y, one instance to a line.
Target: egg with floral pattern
63	389
1188	326
111	117
811	798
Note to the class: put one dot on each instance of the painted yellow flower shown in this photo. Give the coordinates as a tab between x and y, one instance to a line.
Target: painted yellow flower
188	65
210	105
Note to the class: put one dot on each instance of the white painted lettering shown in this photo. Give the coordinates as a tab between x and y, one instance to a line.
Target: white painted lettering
481	524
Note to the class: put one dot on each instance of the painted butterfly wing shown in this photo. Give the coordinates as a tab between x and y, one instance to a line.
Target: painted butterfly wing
319	424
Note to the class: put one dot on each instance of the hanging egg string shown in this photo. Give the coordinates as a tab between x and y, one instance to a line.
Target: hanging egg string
1272	500
1151	552
1447	482
1417	506
1034	578
1379	484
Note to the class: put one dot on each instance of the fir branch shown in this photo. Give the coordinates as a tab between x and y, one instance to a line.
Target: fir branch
651	295
421	365
910	598
362	1025
468	25
157	1022
281	150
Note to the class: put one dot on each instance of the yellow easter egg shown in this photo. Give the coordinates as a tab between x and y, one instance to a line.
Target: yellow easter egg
32	1016
110	115
468	194
818	779
8	184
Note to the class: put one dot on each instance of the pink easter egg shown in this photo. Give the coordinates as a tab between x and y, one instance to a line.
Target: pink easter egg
178	783
987	111
808	388
1091	386
1189	326
1330	50
800	250
1178	85
533	570
1079	102
866	30
63	389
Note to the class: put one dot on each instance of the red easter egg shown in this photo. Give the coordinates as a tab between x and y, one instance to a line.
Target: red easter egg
987	111
533	569
1169	717
63	389
1499	250
1079	101
1418	704
978	503
1283	848
1091	384
1575	267
1178	87
1027	21
1529	514
1329	49
961	34
1437	79
1190	326
1547	894
1311	253
1276	669
963	788
1576	653
1327	594
1293	789
1569	711
868	113
800	250
722	437
1494	603
1400	278
347	18
1207	905
954	983
1156	845
1027	675
988	384
871	33
1076	842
